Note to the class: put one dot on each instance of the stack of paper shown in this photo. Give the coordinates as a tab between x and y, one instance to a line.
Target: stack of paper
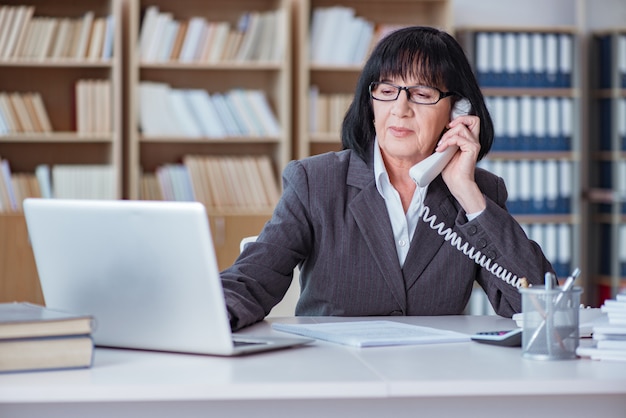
373	333
609	333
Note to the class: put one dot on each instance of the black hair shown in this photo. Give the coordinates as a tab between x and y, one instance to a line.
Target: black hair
424	53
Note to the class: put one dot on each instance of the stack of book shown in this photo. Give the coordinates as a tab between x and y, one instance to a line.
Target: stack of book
609	333
196	113
34	337
23	113
258	36
63	181
27	36
224	183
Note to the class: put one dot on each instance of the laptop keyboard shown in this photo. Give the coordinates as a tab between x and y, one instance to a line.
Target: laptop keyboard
239	343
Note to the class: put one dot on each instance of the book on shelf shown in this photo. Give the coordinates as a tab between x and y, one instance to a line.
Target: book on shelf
109	35
96	39
258	37
93	106
169	38
21	112
339	37
165	111
204	112
16	28
174	182
44	179
84	181
9	116
149	188
25	185
24	35
83	30
373	333
226	182
181	109
155	117
4	127
41	112
195	30
147	31
7	192
177	44
251	25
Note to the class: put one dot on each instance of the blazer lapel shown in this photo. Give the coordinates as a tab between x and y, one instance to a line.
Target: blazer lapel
370	214
426	241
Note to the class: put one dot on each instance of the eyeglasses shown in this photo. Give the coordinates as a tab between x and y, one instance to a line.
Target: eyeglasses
425	95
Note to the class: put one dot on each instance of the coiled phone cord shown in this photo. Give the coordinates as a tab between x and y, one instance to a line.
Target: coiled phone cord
482	260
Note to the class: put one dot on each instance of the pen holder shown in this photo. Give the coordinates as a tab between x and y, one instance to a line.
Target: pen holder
550	323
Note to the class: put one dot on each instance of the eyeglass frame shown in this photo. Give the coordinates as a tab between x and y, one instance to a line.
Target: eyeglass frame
442	94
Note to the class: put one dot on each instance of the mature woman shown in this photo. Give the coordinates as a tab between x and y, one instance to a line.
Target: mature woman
359	226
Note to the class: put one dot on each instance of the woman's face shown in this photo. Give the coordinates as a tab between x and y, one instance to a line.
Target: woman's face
408	132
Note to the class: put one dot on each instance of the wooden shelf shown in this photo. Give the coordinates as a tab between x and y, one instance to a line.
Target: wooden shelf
144	152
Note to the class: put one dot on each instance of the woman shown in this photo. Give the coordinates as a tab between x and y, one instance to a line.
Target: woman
354	220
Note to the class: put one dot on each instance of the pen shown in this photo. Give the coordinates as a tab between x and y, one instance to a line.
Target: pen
569	283
548	319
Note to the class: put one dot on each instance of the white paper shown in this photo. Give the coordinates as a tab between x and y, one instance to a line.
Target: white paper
373	333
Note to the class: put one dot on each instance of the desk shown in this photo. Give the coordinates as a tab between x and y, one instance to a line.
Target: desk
327	380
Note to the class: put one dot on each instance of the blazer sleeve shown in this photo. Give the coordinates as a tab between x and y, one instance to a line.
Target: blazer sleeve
262	274
501	239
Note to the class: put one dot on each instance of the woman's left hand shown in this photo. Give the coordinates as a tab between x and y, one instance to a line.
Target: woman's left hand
459	173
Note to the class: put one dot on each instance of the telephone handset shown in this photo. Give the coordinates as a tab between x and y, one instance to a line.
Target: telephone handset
423	173
427	170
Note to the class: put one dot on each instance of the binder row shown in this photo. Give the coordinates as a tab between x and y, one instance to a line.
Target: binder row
606	175
535	186
606	180
606	238
612	57
520	59
555	239
527	123
606	123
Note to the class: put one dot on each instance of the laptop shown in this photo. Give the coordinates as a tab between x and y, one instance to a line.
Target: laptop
146	270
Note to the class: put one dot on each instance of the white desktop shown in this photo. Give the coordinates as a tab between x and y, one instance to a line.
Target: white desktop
326	379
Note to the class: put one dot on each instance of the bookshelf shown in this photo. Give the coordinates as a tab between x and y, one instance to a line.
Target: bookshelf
55	78
211	75
210	70
60	139
531	83
607	151
335	77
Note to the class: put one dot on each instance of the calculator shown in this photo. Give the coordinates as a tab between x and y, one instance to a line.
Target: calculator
506	338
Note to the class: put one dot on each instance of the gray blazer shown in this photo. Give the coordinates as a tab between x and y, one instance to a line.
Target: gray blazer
333	223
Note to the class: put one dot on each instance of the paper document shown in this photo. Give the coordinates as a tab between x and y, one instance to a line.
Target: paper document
373	333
